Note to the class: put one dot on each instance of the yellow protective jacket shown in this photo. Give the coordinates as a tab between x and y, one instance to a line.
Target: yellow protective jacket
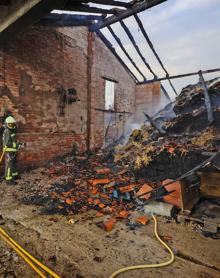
10	143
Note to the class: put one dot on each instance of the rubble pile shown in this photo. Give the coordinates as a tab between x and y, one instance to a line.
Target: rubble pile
187	135
114	185
81	184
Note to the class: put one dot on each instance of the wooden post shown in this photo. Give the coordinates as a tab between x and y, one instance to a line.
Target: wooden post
208	103
89	88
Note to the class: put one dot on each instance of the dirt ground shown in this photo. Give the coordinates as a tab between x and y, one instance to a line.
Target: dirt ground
75	246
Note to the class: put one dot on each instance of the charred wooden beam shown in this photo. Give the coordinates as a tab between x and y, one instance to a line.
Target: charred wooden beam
137	8
111	3
141	55
179	76
155	124
87	9
112	49
165	92
102	2
112	111
141	26
207	99
127	31
90	39
60	20
124	50
25	14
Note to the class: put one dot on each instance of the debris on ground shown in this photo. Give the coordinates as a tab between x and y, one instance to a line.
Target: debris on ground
115	183
157	157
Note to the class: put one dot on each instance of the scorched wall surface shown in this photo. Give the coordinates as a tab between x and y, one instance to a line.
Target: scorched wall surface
105	65
36	67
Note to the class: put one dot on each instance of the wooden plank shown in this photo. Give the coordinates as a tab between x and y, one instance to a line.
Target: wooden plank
210	184
190	195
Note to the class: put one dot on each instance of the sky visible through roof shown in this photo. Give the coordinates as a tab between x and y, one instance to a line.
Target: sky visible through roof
185	33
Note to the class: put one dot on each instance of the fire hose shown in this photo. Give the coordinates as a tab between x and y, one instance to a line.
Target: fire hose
28	258
135	267
3	153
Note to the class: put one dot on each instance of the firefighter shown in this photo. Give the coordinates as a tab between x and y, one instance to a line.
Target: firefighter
10	146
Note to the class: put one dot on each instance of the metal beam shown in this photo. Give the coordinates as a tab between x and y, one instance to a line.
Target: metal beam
112	49
139	7
27	13
125	52
179	76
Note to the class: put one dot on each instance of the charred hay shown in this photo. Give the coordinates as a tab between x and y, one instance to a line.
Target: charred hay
79	184
156	157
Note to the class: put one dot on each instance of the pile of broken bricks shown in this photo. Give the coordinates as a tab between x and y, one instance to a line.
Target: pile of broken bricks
111	193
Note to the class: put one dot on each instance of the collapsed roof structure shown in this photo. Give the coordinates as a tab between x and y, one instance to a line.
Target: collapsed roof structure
110	12
171	158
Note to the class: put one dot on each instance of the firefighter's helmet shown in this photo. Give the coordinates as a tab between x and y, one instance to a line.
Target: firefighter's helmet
10	122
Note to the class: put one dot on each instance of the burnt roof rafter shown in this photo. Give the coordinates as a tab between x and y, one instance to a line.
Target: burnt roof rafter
62	20
87	9
110	3
112	49
141	26
85	6
125	52
120	15
131	38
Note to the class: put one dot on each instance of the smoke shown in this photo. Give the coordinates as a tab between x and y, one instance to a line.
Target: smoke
159	108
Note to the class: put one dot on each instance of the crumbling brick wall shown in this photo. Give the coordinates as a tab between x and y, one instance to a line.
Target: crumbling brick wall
149	99
106	66
36	68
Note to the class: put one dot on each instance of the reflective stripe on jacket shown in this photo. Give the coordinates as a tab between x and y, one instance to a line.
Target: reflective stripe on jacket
9	141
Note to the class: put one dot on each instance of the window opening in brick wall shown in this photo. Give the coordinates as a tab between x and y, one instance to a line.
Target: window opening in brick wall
109	95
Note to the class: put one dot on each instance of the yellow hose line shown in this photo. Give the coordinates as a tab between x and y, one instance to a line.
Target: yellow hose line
170	261
3	153
16	245
23	256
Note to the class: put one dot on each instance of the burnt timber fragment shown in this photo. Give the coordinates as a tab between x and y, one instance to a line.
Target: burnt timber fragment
155	124
207	99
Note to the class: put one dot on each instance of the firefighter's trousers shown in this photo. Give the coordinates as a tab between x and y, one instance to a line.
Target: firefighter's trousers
10	166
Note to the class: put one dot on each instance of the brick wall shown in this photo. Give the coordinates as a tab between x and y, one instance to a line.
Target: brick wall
106	66
35	66
148	98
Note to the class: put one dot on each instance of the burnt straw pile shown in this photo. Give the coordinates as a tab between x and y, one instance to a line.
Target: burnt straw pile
170	144
177	138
